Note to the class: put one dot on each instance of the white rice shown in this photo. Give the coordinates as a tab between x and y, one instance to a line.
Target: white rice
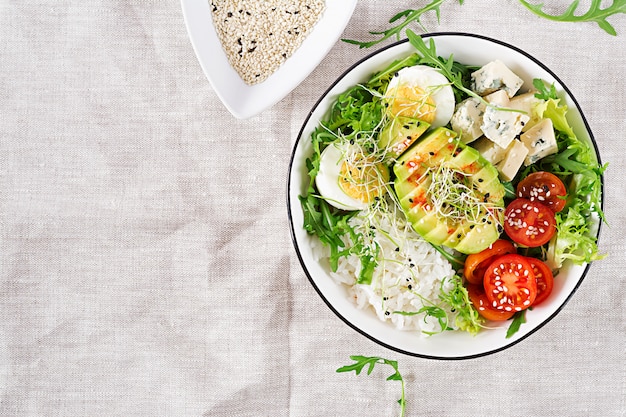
409	274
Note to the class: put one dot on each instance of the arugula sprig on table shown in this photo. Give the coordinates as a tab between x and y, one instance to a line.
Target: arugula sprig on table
371	361
595	13
403	19
410	16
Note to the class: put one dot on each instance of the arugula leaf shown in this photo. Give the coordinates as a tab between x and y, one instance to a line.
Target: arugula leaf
410	16
453	71
595	13
543	92
518	319
371	361
356	112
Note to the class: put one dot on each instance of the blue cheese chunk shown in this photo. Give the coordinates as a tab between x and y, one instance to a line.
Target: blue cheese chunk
513	160
527	103
467	119
498	98
540	141
495	76
502	125
489	150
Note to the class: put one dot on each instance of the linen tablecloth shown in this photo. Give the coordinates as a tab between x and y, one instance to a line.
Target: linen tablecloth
146	266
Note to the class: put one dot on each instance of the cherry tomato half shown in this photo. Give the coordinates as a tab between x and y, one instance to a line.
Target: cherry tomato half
545	188
529	223
544	278
483	306
510	283
476	263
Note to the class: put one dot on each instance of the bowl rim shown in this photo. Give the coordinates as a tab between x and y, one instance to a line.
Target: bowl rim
291	219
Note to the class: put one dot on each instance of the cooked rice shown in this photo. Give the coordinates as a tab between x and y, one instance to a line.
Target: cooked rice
409	274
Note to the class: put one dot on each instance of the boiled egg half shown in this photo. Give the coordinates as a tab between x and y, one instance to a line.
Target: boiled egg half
349	179
421	92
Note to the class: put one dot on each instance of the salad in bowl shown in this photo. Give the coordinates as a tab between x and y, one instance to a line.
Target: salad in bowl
445	196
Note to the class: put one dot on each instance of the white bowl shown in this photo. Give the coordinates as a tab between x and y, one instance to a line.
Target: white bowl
241	99
470	50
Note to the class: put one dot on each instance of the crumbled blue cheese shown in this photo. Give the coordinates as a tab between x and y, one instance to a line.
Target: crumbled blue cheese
527	103
467	119
540	141
495	76
489	150
513	160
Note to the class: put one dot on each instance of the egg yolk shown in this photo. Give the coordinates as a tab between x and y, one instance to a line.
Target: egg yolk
411	101
363	181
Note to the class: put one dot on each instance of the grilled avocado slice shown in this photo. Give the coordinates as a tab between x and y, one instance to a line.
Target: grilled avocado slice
451	195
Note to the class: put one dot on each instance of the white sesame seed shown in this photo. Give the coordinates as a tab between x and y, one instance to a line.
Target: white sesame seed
258	36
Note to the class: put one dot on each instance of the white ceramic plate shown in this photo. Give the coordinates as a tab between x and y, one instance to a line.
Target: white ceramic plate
470	50
244	100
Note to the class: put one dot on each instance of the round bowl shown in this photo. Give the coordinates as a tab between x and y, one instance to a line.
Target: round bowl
471	50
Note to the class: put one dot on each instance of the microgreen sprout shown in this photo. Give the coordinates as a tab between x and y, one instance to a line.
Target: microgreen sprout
452	196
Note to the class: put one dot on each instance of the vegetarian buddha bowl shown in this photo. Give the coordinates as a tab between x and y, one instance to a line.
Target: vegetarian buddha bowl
445	196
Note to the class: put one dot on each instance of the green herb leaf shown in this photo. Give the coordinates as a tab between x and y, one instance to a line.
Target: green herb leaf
371	361
518	319
451	70
595	13
405	18
543	92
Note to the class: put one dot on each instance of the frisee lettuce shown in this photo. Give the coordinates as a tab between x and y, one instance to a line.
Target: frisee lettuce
575	163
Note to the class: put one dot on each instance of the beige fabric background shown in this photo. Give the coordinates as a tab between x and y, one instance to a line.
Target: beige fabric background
146	267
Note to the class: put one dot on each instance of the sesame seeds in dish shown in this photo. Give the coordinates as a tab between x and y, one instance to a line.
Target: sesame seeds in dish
313	42
259	36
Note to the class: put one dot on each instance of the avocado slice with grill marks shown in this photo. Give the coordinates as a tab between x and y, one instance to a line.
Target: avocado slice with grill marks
450	194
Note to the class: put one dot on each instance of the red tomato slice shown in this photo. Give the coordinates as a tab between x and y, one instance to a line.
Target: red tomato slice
529	223
510	283
544	278
483	306
545	188
476	263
